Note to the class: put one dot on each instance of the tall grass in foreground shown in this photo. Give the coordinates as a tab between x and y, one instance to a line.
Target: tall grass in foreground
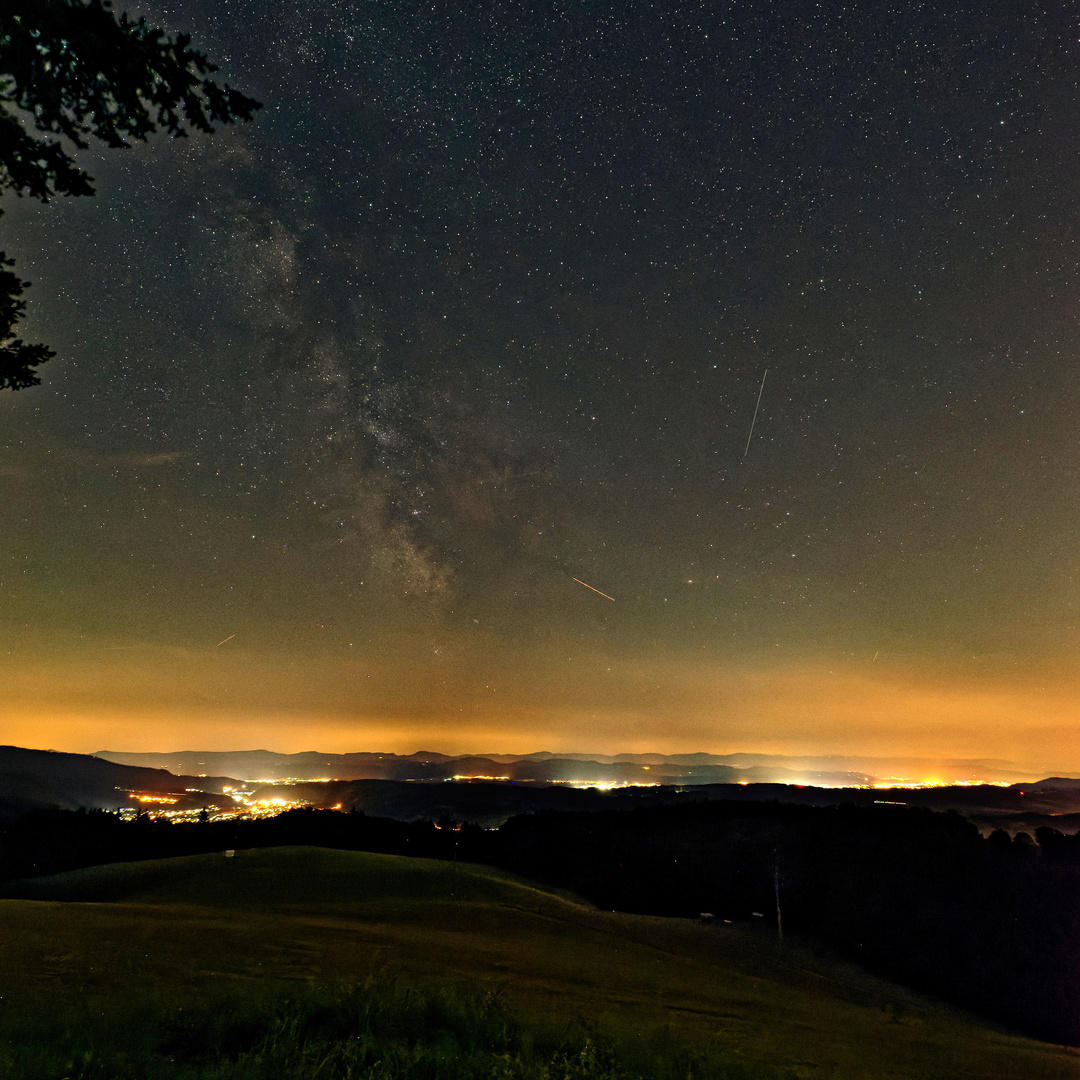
376	1032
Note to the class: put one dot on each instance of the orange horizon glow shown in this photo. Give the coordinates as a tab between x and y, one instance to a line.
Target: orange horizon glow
171	700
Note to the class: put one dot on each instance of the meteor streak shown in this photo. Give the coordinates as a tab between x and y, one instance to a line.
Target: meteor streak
756	407
229	638
588	586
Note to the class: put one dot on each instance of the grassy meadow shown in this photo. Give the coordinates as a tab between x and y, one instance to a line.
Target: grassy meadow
304	962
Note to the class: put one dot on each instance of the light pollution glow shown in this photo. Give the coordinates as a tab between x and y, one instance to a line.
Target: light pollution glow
160	700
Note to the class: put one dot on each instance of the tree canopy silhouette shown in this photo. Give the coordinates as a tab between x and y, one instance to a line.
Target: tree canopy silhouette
72	71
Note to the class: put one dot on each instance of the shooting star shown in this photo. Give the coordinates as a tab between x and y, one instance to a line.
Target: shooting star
588	586
229	638
756	407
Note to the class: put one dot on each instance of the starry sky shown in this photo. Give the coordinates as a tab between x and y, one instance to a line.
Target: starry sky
482	302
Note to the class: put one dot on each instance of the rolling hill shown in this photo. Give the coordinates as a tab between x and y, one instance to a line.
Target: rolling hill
170	934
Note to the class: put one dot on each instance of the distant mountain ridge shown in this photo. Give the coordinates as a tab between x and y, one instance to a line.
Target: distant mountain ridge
266	765
573	768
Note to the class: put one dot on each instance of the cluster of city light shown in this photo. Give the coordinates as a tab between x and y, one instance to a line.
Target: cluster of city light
917	785
891	784
477	776
888	784
285	781
606	785
244	807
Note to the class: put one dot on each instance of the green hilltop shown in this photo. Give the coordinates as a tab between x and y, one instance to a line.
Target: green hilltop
86	955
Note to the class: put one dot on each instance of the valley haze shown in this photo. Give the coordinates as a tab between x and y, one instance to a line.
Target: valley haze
488	790
645	768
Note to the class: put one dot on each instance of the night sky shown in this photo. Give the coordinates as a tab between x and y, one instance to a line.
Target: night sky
482	303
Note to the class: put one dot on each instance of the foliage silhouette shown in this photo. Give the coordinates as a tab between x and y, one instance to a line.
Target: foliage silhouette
72	70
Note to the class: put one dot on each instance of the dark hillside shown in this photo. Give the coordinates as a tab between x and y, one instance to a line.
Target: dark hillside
44	778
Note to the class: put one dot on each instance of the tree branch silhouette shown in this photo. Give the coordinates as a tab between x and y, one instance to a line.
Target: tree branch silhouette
73	70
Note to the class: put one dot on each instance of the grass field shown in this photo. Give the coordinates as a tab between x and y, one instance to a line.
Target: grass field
129	948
